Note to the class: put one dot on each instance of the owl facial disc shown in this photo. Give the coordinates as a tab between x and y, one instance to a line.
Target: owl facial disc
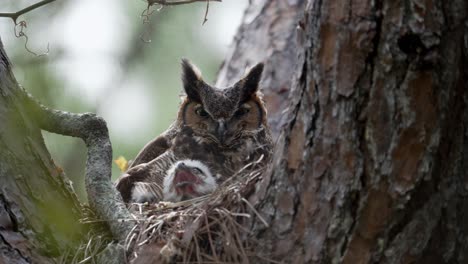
226	115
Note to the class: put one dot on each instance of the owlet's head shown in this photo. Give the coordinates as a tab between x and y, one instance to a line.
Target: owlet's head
187	179
222	115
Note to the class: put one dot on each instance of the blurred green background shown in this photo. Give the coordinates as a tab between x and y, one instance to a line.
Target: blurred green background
100	61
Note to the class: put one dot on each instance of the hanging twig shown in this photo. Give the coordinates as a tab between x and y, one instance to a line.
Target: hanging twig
22	24
146	16
20	34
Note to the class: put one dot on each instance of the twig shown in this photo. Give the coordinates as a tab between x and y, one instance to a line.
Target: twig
22	24
206	12
181	2
20	34
146	16
256	212
23	11
213	249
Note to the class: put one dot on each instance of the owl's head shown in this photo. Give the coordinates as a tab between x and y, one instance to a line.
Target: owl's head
222	115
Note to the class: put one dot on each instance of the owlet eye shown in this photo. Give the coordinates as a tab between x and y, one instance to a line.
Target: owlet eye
241	112
201	112
197	170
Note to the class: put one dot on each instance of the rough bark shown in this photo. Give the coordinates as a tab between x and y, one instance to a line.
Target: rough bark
267	34
38	212
371	164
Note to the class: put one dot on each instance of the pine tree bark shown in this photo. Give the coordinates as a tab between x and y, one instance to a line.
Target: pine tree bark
371	164
267	34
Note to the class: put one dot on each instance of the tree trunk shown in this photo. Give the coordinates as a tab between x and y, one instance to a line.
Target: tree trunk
39	213
371	164
268	34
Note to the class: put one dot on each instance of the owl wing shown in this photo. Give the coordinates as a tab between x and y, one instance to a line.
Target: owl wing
146	178
125	183
151	150
150	192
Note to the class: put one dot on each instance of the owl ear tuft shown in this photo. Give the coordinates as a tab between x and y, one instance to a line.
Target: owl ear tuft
249	84
191	80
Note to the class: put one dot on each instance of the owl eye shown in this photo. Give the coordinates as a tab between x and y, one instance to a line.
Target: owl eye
241	112
201	112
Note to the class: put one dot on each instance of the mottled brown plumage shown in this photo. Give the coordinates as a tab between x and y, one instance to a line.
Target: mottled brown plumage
225	129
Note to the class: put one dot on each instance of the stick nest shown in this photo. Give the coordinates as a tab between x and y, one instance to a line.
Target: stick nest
208	229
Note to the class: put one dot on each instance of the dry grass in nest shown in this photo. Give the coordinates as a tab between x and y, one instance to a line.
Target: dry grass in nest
97	238
208	229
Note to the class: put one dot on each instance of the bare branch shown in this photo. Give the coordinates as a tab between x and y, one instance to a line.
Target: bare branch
206	12
180	2
102	195
146	14
15	15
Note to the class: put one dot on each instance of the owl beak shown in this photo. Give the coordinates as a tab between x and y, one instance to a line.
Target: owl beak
221	130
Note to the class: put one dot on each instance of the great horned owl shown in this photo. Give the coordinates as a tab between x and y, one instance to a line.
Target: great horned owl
223	128
151	181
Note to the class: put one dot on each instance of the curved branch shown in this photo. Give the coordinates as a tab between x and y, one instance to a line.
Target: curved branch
102	195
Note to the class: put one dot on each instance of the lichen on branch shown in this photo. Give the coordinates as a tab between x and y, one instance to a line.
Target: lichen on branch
102	195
